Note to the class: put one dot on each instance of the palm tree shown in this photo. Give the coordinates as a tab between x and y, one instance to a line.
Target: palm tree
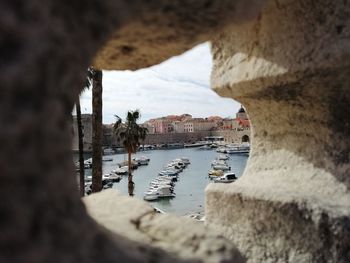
81	150
88	83
96	76
130	134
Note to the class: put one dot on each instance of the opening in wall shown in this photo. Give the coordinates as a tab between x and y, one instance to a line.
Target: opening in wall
194	137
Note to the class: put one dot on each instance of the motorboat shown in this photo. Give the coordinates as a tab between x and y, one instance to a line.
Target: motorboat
142	160
88	163
223	157
162	192
196	144
107	159
133	164
218	162
173	178
108	151
185	160
111	177
107	185
161	186
238	149
174	167
151	197
221	150
222	167
226	178
179	162
205	147
169	172
162	179
122	170
215	173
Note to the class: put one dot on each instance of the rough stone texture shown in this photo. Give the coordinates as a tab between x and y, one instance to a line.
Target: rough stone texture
290	68
45	49
167	28
136	220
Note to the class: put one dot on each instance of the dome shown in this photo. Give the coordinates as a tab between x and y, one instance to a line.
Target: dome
241	110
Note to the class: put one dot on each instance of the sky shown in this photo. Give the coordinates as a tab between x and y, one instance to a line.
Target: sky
178	85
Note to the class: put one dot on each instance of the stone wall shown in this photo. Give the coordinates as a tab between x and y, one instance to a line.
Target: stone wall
164	138
232	136
290	69
87	133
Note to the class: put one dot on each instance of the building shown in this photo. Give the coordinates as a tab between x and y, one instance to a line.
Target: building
86	121
162	125
198	125
235	130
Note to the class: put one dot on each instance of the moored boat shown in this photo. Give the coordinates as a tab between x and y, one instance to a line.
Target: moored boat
226	178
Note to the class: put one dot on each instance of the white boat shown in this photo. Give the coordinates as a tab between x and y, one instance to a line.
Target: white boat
88	163
221	167
218	162
215	173
111	177
142	160
169	172
197	144
223	157
239	148
205	147
185	160
107	159
226	178
151	197
122	170
161	186
221	150
179	162
162	192
108	151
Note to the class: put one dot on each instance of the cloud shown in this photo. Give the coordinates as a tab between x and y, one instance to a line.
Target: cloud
176	86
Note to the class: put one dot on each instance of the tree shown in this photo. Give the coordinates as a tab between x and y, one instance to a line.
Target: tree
88	83
81	150
96	77
130	134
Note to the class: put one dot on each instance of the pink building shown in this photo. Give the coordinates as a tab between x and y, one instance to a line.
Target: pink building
163	125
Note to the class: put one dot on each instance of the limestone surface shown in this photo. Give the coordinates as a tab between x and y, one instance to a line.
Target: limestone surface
290	68
162	29
136	220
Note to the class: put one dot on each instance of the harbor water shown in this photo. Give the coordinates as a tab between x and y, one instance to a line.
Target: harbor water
189	188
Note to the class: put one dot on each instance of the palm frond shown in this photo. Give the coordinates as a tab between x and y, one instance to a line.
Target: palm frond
130	134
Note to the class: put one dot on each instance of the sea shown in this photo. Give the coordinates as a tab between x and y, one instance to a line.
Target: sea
191	184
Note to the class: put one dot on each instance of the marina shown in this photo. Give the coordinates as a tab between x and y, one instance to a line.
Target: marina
189	189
